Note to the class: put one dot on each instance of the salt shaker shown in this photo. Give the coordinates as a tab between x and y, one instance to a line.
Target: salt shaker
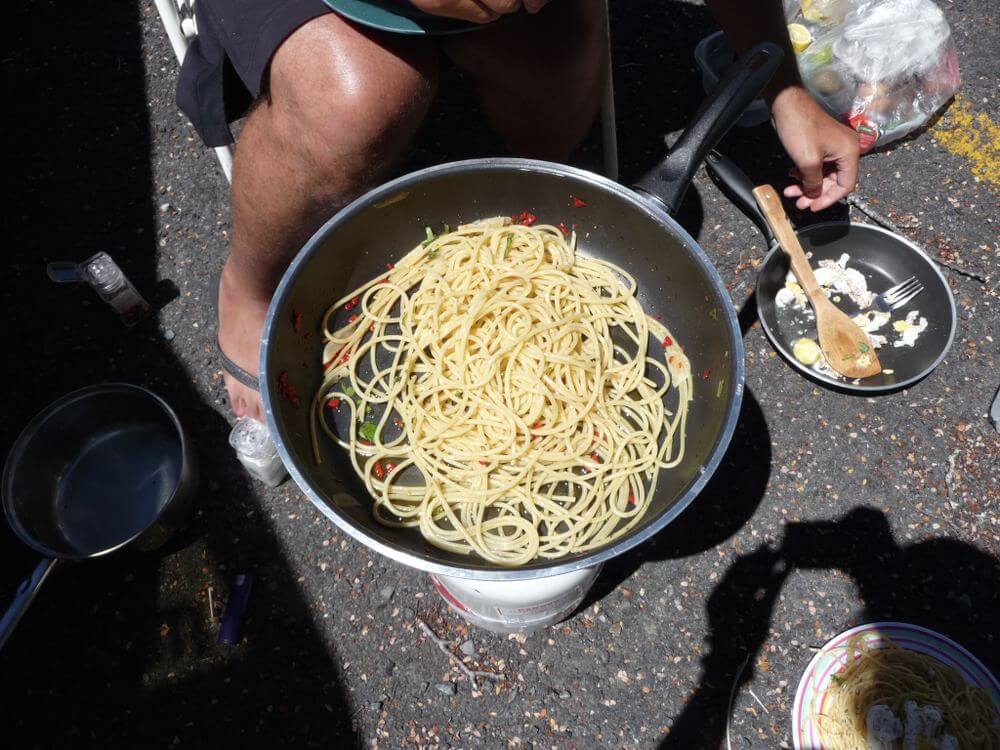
256	451
109	281
113	286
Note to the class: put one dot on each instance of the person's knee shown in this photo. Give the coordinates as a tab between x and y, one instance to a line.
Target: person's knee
345	102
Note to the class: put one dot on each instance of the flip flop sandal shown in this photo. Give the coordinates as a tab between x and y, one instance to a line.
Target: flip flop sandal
238	373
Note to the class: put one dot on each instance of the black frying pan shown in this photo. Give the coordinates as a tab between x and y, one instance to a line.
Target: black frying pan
98	469
633	229
883	257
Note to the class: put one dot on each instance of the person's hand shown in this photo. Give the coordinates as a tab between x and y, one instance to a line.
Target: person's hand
824	151
477	11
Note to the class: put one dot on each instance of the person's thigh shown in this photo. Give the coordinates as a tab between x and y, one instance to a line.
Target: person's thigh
342	103
540	77
348	98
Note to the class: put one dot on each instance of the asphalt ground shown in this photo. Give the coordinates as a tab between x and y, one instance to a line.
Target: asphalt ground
828	510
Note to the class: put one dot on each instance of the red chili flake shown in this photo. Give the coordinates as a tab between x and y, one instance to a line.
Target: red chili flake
389	467
352	318
383	281
631	498
564	229
525	217
356	301
667	341
484	463
389	266
379	470
705	374
371	328
286	390
296	320
398	422
596	458
658	317
578	202
347	356
362	441
536	425
333	403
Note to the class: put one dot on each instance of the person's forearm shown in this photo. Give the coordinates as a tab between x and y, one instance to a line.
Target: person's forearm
750	22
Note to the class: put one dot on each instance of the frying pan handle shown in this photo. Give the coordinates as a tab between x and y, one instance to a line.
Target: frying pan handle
736	186
743	82
25	595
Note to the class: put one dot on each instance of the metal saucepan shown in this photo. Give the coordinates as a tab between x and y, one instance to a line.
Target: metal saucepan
633	229
100	468
883	257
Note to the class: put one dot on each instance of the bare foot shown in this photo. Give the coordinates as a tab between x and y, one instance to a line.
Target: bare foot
241	325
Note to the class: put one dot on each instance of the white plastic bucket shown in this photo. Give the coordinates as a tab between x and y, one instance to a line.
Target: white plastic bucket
516	606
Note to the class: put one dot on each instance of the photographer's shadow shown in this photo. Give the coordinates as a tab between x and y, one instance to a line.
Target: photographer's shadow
941	584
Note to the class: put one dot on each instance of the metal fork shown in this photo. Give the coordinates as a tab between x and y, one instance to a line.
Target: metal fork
896	296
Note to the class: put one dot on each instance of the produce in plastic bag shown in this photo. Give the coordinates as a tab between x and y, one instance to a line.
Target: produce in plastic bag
883	66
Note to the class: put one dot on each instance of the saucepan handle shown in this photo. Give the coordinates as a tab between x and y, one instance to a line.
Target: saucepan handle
25	595
743	82
737	187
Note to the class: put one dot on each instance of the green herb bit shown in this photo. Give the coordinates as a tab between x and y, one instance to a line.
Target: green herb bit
367	431
348	390
864	348
718	388
430	237
447	229
506	247
848	356
714	313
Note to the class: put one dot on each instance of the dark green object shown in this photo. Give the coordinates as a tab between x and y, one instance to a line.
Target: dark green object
398	17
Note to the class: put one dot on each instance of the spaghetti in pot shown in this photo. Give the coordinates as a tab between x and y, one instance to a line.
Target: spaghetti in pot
500	392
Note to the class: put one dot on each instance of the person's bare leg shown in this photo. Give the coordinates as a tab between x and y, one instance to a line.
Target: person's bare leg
540	77
343	103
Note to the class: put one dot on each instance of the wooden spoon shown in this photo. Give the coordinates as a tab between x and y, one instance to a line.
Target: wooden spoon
846	347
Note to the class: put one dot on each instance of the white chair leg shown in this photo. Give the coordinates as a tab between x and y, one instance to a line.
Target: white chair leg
225	154
609	129
172	23
179	41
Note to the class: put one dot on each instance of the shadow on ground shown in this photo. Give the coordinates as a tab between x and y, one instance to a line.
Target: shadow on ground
942	584
120	649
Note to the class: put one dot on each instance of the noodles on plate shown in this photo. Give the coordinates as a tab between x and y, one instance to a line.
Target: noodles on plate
885	694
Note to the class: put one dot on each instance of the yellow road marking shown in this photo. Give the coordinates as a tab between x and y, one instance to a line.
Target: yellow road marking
973	136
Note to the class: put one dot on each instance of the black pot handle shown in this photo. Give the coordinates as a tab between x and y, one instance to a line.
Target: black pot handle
743	82
736	186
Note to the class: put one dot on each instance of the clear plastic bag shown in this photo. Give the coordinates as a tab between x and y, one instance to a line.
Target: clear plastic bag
883	66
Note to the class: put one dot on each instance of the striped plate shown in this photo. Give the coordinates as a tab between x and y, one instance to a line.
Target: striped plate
811	694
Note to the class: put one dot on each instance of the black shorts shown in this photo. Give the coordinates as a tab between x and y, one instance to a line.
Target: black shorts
225	64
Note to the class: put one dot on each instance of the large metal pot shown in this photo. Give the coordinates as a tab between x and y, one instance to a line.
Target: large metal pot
632	228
